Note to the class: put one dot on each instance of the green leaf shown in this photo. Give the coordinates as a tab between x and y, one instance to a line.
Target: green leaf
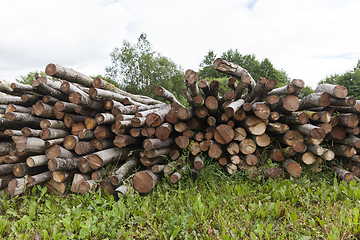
32	209
175	233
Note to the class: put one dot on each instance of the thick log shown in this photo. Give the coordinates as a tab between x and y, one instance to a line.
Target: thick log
343	174
86	134
232	69
17	108
70	142
202	113
320	99
224	134
316	149
231	168
211	121
310	130
63	164
68	74
291	137
135	132
288	103
263	94
292	167
145	181
308	158
119	174
347	101
233	148
247	146
176	176
138	121
38	178
337	91
163	131
262	140
282	90
337	132
83	164
343	150
352	131
261	110
47	123
256	90
348	109
5	179
22	169
166	95
23	117
273	173
148	131
126	140
43	110
31	145
47	90
103	132
84	148
214	89
251	159
295	118
77	180
38	160
6	147
255	125
58	115
298	85
6	169
77	128
182	141
16	187
101	158
57	151
52	133
171	116
85	111
90	123
328	154
70	119
233	107
52	142
102	144
83	99
28	132
66	107
277	155
87	186
64	176
10	133
149	162
49	100
191	78
27	99
348	120
152	144
157	118
350	140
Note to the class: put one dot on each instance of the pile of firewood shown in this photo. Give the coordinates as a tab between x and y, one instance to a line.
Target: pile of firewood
72	130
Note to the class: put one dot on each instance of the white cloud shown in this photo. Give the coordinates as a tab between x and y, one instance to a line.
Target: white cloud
309	39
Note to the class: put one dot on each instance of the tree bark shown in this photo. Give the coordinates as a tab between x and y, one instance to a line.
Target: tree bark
38	178
320	99
119	174
31	145
22	169
337	91
38	160
343	174
101	158
77	180
57	151
84	148
126	140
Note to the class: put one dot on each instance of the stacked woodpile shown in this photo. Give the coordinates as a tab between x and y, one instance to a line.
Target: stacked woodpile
72	130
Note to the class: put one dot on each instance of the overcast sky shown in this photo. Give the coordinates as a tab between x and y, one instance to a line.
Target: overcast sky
309	39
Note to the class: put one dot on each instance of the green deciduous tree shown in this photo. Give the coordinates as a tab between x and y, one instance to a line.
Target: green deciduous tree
28	77
256	68
138	69
349	79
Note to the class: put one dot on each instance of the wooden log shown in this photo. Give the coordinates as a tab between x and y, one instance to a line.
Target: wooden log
347	101
5	179
31	145
43	110
22	169
328	154
263	94
87	186
70	142
343	150
233	107
255	125
135	132
282	90
10	132
86	134
319	99
148	131
120	174
49	100
83	164
352	131
64	176
101	158
288	103
337	132
38	178
103	132
214	151
145	181
348	109
291	137
163	131
316	149
348	120
149	162
262	140
261	110
68	74
27	99
277	155
298	85
224	134
292	167
102	144
214	89
182	141
166	95
58	115
84	148
16	187
23	117
47	90
85	111
38	160
233	148
6	169
295	118
57	124
152	144
310	130
247	146
52	133
126	140
176	176
350	140
17	108
57	151
202	113
232	69
157	118
15	159
308	158
343	174
273	173
77	180
28	132
70	119
52	142
337	91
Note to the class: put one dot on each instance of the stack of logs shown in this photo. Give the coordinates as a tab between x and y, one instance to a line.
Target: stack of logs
85	133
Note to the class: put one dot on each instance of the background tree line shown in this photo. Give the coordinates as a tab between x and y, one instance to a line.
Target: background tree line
138	69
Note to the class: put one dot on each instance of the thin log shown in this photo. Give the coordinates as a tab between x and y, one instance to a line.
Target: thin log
77	180
126	140
292	167
31	144
22	169
343	174
166	95
343	150
310	130
16	187
101	158
120	174
38	178
38	160
84	148
102	144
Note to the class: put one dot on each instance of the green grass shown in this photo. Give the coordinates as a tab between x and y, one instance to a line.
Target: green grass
215	206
